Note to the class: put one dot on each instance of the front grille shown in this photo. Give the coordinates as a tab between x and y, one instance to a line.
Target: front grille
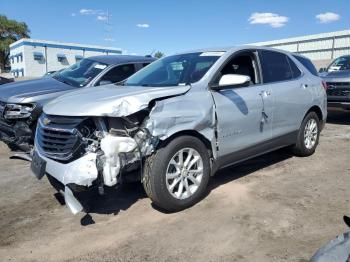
338	89
2	109
62	138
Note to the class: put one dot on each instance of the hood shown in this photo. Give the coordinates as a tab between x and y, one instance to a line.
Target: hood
110	100
343	75
31	90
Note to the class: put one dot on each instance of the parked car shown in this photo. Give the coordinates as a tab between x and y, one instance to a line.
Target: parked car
337	77
4	80
336	250
21	102
179	120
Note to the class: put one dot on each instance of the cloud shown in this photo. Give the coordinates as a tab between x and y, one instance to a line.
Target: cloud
102	18
143	25
274	20
109	39
328	17
91	12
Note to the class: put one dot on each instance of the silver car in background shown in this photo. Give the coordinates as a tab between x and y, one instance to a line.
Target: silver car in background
337	78
173	124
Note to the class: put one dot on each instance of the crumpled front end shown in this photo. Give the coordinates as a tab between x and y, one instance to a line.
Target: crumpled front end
88	151
17	123
106	150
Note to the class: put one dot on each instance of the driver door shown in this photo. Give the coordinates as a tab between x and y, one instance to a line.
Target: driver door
244	114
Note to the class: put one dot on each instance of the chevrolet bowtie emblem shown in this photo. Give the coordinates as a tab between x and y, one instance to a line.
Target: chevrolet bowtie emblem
46	121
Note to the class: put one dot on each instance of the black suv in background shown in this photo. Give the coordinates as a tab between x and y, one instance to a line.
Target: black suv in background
337	77
21	102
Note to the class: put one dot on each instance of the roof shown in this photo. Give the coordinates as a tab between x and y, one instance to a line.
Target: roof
120	59
306	38
233	49
54	44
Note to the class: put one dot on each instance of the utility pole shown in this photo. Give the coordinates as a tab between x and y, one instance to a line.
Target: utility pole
109	28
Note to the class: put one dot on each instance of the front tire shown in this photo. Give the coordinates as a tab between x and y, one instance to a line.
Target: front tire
308	137
176	176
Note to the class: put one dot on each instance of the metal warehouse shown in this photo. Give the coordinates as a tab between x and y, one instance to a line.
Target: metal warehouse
34	58
320	48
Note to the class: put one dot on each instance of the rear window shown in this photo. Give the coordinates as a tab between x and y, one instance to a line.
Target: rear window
308	64
296	71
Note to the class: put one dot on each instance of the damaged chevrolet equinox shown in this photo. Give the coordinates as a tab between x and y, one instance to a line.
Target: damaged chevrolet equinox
173	124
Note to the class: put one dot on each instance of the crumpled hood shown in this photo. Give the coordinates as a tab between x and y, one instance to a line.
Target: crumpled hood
110	100
18	91
336	75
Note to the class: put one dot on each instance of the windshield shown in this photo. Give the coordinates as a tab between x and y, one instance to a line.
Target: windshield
81	73
175	70
339	64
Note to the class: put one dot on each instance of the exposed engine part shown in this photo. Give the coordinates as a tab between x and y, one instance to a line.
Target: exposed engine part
112	146
123	145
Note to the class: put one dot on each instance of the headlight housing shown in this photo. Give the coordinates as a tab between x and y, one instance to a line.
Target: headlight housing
17	111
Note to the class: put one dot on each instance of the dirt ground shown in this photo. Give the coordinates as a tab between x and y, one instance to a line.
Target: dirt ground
273	208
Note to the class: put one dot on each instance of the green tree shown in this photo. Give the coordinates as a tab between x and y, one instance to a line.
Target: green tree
159	54
10	31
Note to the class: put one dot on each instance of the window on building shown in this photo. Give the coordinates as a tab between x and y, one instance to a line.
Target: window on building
38	56
62	58
78	58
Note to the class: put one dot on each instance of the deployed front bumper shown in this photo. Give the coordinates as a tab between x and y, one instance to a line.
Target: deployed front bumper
81	172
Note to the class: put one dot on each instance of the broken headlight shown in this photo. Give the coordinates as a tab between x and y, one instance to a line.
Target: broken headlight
17	111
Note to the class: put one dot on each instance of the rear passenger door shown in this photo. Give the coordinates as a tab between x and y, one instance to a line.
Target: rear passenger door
289	91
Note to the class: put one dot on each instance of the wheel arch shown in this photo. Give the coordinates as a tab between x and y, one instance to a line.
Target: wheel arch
193	133
317	110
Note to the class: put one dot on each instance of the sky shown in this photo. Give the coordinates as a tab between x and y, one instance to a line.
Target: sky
142	26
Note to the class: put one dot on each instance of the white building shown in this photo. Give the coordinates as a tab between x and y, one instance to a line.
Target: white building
34	58
320	48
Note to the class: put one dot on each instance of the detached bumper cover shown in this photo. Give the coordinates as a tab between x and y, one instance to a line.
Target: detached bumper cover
80	172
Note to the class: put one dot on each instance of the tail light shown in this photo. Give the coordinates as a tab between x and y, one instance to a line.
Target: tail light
325	85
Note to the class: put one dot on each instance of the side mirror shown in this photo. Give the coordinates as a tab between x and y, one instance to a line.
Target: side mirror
322	69
232	80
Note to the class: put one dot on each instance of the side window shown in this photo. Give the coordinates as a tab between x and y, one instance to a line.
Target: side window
117	74
275	67
241	64
145	64
308	64
295	70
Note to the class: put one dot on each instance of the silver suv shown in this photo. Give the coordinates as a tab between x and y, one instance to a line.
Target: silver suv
173	124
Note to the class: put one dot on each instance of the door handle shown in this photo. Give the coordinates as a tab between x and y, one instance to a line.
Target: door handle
304	86
265	93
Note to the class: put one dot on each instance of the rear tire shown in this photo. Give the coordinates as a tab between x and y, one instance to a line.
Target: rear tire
176	176
308	136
